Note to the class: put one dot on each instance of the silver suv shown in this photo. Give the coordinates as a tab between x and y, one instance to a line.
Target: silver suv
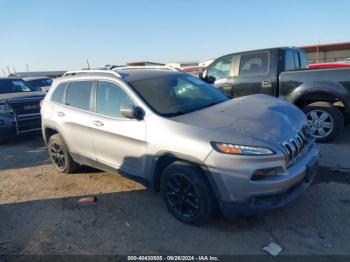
182	137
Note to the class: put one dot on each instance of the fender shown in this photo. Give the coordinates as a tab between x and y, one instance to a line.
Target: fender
151	167
155	177
325	87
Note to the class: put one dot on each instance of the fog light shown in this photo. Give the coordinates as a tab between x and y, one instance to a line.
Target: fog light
267	173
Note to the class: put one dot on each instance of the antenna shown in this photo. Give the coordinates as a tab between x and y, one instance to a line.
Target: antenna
28	69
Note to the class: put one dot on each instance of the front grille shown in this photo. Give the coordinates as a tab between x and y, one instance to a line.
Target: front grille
294	147
25	106
26	113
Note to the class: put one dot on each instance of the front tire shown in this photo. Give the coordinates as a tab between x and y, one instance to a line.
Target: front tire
60	156
187	194
325	121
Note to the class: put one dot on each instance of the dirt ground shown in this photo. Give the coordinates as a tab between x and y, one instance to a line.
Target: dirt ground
39	214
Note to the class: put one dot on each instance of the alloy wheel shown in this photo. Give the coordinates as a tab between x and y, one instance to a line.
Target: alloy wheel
182	196
57	155
321	123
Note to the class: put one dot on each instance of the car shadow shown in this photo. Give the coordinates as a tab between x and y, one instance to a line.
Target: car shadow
22	152
137	222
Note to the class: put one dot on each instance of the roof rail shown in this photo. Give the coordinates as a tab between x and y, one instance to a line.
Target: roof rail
144	67
82	72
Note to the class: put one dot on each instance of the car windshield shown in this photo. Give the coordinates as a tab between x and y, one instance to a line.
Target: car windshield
40	82
15	86
177	94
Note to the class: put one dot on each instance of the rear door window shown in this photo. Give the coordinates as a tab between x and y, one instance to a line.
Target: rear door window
254	63
303	60
78	94
289	60
296	60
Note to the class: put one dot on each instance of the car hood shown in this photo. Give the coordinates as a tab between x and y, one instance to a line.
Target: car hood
19	95
251	120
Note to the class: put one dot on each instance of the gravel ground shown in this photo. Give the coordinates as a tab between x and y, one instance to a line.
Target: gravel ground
39	214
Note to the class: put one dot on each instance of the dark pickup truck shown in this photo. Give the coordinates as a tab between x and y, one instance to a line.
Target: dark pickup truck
19	108
323	94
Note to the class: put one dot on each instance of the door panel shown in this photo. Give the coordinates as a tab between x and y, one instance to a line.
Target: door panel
118	142
254	75
76	130
75	117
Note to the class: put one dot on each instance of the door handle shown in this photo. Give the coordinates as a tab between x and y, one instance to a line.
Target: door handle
266	83
97	123
227	85
60	114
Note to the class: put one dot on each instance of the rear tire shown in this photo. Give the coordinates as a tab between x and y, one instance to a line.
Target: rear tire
60	156
326	121
187	194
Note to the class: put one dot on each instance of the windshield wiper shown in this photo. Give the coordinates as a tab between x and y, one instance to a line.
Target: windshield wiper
177	113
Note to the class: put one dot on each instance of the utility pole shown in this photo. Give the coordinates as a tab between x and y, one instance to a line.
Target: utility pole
88	64
3	72
14	69
8	70
317	51
28	69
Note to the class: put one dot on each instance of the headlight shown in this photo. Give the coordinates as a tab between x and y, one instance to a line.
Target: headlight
5	109
241	149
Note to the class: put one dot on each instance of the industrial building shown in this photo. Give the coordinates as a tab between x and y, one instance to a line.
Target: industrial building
328	52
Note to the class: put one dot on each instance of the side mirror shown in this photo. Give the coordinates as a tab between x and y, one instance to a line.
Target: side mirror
132	112
203	75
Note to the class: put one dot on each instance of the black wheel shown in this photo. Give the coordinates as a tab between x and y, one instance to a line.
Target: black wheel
187	194
325	121
60	156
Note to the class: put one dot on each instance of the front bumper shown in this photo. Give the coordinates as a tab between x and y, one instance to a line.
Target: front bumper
238	194
11	125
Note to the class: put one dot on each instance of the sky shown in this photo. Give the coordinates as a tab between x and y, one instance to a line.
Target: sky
63	34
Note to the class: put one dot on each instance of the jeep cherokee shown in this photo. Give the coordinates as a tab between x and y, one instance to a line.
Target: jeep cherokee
182	137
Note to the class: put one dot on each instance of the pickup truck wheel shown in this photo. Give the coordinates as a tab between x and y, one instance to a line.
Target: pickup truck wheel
325	121
187	194
60	156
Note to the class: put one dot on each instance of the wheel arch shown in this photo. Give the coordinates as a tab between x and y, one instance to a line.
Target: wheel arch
319	96
165	158
48	132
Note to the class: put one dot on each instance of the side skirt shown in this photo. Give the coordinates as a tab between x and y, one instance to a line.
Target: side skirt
82	160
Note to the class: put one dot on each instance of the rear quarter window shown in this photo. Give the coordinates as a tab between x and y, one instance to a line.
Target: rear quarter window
58	94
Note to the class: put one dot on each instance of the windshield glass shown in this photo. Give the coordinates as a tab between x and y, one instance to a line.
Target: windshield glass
14	86
177	94
40	82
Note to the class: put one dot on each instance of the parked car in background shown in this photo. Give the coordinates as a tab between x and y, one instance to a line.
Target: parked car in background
19	108
42	83
323	94
194	70
183	137
330	65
